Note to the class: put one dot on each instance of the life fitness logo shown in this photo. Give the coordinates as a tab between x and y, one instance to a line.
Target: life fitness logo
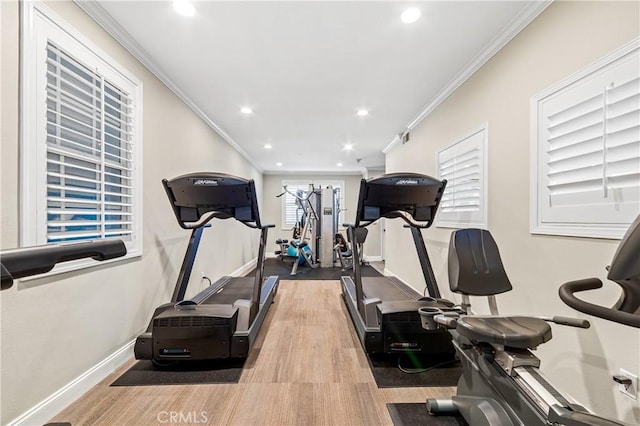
181	417
205	182
407	182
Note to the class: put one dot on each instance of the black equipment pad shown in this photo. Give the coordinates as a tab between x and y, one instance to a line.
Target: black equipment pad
412	414
387	374
144	373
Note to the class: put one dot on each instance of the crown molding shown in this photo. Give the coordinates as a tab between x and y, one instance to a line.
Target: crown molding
314	172
516	26
111	26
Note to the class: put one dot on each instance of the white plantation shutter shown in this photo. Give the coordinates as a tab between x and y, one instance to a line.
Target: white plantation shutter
463	165
89	153
587	146
289	206
81	142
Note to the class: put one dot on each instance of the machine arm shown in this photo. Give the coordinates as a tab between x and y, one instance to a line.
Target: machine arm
27	261
567	291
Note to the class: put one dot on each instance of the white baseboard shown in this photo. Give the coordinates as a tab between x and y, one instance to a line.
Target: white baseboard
271	256
373	258
54	404
244	269
388	273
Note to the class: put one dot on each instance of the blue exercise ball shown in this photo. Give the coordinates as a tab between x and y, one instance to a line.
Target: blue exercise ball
292	251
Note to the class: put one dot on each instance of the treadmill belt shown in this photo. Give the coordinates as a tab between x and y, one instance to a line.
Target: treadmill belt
411	414
236	288
384	289
283	270
144	373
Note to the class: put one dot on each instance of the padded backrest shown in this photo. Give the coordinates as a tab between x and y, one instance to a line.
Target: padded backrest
475	266
360	235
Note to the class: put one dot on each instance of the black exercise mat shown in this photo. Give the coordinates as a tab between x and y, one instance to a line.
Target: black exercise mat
412	414
283	270
387	374
144	373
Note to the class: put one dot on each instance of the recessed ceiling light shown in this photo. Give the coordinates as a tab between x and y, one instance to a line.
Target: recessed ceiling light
410	15
184	7
267	146
348	147
363	112
339	164
279	164
246	110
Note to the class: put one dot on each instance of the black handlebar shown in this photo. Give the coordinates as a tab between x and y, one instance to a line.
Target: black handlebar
27	261
571	322
567	291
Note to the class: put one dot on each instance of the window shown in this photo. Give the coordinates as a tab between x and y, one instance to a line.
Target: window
289	206
81	145
464	165
586	146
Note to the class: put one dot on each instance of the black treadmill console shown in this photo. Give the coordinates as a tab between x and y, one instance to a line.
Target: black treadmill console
219	195
411	196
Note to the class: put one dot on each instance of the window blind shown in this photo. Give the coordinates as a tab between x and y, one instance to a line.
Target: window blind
586	149
291	214
462	164
290	207
89	139
593	147
462	172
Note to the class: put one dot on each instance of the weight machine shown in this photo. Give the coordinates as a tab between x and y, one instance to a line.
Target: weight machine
317	221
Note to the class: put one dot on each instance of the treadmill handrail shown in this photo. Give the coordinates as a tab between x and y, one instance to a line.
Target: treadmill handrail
27	261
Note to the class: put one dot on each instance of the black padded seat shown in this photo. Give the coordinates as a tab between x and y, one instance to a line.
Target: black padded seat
514	332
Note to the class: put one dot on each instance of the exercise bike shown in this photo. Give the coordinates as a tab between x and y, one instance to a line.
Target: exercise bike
501	383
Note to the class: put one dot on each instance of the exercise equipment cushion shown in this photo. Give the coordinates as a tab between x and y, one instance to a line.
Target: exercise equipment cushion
514	332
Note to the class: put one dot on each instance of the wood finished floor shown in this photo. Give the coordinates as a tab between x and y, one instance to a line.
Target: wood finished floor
306	368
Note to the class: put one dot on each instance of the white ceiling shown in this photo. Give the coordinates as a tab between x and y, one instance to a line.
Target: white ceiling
305	68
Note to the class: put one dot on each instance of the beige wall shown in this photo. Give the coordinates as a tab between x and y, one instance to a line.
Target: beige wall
563	39
272	206
373	243
55	329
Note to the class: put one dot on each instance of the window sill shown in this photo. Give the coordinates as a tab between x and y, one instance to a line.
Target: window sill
607	233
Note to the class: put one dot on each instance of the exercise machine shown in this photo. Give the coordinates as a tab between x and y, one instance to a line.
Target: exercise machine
27	261
624	271
303	246
501	383
223	320
343	250
317	216
384	310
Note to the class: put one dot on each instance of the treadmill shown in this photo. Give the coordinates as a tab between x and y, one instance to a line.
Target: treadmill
223	320
384	310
